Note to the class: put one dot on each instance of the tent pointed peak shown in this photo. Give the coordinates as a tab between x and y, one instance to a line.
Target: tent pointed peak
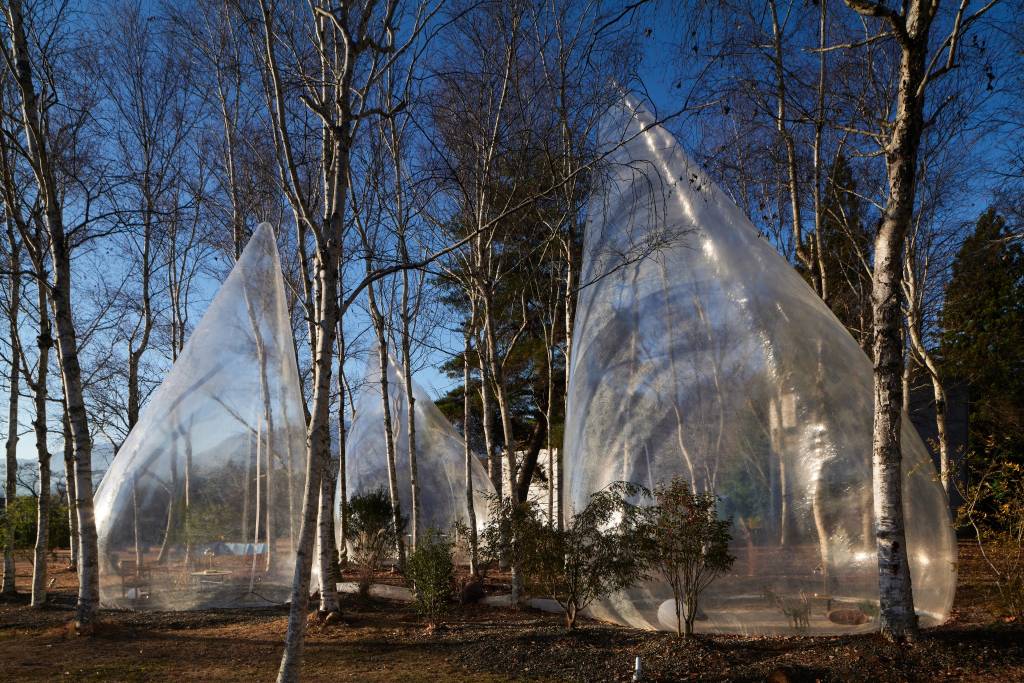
264	231
262	242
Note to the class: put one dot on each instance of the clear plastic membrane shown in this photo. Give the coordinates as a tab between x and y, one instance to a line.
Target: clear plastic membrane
201	505
440	454
700	352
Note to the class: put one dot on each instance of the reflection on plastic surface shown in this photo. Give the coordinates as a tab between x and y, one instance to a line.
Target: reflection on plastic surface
699	352
440	454
200	507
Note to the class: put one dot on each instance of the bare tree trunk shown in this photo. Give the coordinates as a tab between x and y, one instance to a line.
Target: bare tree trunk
135	522
506	423
328	560
269	503
187	524
898	619
466	416
822	278
410	416
40	566
344	37
905	376
406	316
172	509
342	454
493	457
69	470
247	485
945	465
33	120
500	394
39	389
14	393
902	132
570	315
135	353
551	338
913	297
318	446
327	557
388	422
407	365
792	170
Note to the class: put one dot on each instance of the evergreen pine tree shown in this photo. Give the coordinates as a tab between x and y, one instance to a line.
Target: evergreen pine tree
982	322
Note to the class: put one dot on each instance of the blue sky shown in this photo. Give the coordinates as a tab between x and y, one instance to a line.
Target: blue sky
659	73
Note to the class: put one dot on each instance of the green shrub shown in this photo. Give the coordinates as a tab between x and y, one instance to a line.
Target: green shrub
593	556
371	531
431	574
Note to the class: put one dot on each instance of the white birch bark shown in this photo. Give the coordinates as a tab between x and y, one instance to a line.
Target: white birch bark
14	393
37	145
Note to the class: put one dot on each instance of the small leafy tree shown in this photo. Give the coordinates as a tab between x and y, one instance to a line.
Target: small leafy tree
372	533
687	545
596	554
430	571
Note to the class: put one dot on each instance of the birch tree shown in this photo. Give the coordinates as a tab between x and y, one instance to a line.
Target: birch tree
353	44
37	383
35	109
920	65
12	268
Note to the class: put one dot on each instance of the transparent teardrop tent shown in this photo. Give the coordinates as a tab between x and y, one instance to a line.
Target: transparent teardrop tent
200	507
700	352
440	453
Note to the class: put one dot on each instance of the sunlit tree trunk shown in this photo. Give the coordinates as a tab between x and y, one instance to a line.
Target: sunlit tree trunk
14	393
410	416
387	421
342	532
327	558
69	470
33	120
466	417
493	457
897	617
39	388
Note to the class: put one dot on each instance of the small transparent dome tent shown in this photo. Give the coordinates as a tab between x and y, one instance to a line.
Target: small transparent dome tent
201	505
440	454
700	352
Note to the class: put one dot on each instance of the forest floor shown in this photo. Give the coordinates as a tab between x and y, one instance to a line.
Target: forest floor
379	640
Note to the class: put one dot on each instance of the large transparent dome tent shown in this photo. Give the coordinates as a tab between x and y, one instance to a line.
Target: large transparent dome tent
700	352
200	507
440	453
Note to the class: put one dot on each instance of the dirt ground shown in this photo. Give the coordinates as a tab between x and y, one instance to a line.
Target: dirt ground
385	641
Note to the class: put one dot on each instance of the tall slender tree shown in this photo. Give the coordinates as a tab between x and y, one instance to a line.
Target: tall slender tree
34	115
911	28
